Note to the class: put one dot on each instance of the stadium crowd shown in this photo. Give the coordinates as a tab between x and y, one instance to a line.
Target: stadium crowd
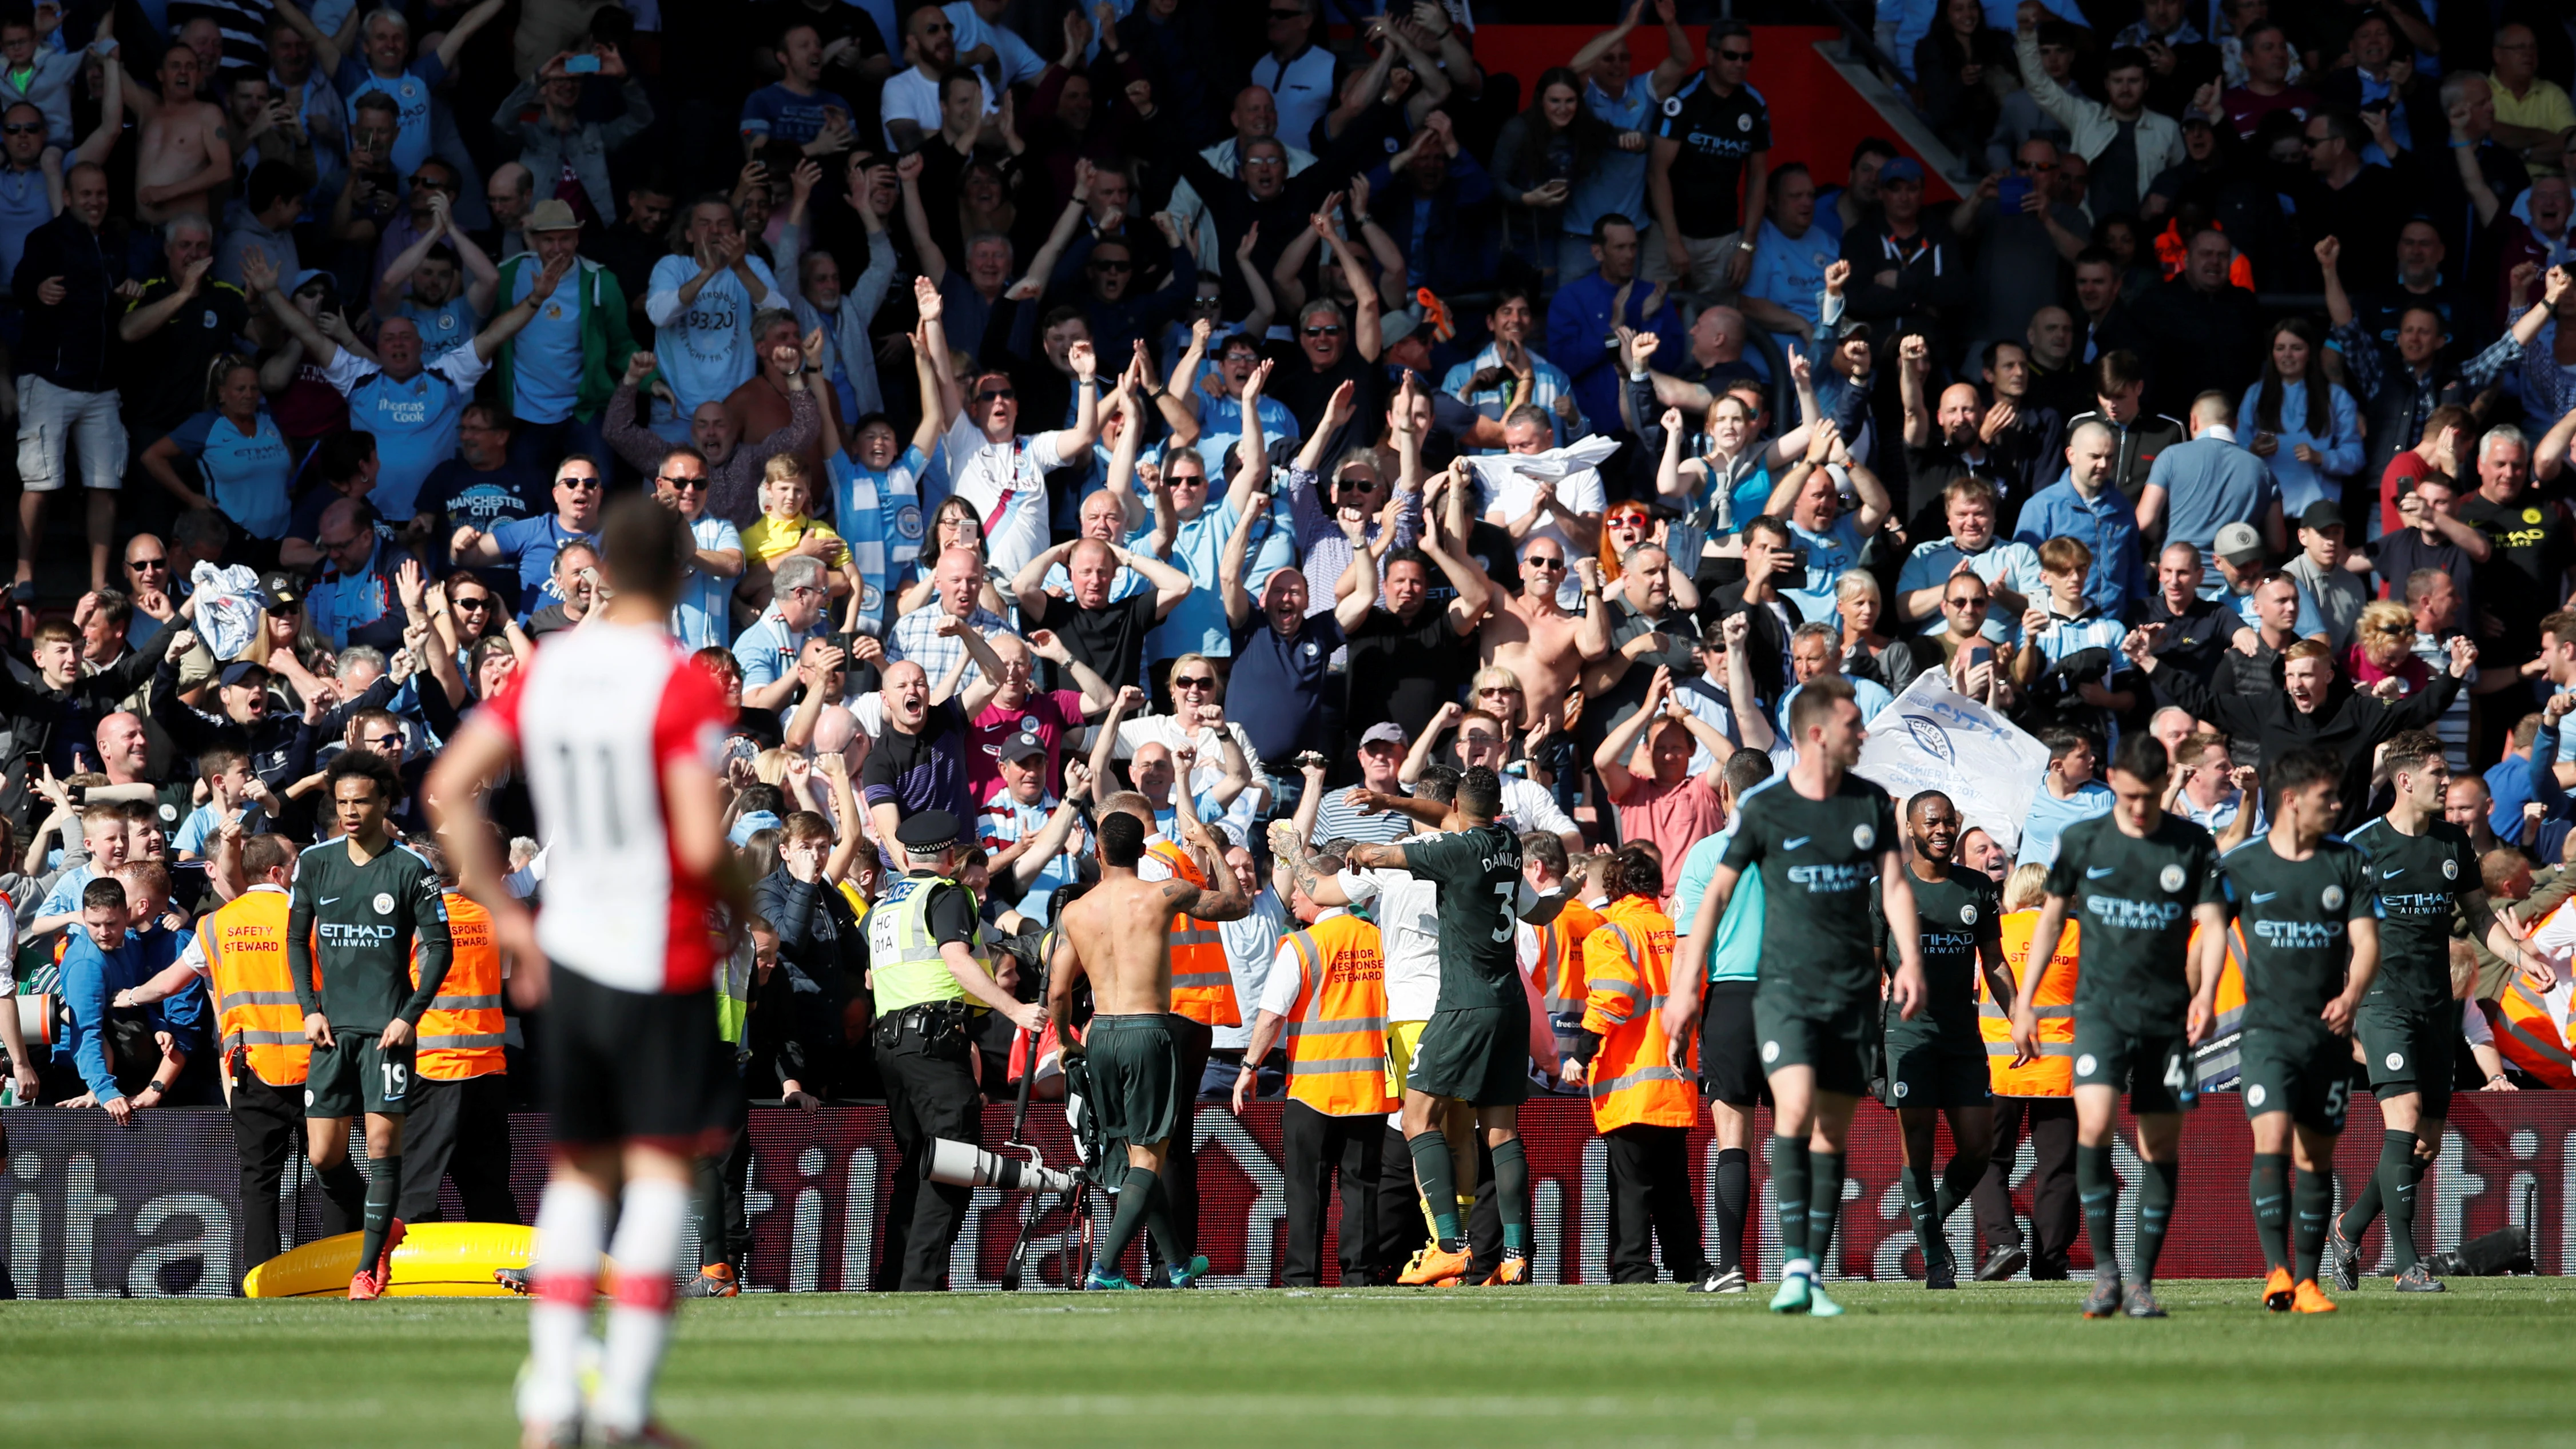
1249	415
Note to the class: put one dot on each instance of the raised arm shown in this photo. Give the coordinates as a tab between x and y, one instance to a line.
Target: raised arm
452	48
1239	604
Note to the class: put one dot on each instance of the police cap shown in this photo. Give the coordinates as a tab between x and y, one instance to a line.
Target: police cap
927	832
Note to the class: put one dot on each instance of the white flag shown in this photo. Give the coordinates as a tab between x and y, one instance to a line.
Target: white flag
1934	738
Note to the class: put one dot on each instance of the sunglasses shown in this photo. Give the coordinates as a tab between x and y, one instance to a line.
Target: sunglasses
1323	331
578	485
1193	682
1965	603
437	185
140	564
1500	689
1356	485
382	742
700	485
1542	561
23	128
1735	55
479	601
996	394
1186	480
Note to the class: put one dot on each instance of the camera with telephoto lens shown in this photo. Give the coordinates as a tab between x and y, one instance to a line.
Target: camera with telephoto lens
963	1164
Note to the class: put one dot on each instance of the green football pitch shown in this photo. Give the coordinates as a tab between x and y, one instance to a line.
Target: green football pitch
2486	1363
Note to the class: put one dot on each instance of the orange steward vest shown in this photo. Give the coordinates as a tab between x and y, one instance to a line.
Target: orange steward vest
1560	955
1628	969
245	945
460	1034
1202	987
2527	1035
1337	1028
2053	1075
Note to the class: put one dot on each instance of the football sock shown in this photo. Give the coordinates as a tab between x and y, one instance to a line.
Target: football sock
2400	1202
1439	1181
2392	1187
344	1197
1824	1206
2097	1188
1789	1174
650	1217
572	1224
1511	1194
1130	1215
2155	1213
2270	1188
1734	1190
1920	1197
2314	1199
384	1188
1958	1179
706	1210
1158	1220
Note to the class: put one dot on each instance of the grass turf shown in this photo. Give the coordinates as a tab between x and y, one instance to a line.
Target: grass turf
1557	1366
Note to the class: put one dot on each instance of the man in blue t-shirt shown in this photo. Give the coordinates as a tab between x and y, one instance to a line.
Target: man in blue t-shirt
797	109
530	543
384	63
480	485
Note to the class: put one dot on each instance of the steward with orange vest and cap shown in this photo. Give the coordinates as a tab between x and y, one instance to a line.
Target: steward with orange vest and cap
1560	942
1327	992
2137	880
1936	1062
1644	1085
240	950
459	1123
2036	1096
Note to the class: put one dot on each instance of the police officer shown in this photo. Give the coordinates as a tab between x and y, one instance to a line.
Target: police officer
930	991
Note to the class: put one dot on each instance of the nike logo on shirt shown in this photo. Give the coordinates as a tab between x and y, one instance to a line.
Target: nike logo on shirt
326	900
2392	874
2261	896
2099	871
1794	841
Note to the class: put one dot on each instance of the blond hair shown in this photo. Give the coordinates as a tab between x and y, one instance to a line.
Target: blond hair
2026	887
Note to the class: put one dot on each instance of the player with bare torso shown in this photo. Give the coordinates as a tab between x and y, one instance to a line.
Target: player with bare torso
616	734
1119	936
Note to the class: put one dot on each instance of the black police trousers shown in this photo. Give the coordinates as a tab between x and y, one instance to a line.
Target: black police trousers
459	1130
2051	1121
927	1097
1315	1147
1650	1201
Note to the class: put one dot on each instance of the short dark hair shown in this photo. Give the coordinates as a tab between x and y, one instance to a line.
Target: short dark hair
272	182
2411	751
266	852
102	893
1546	847
640	541
2116	371
1746	769
1480	793
1438	784
2124	57
1601	226
1815	703
2142	757
2299	769
362	764
1122	838
344	454
1781	173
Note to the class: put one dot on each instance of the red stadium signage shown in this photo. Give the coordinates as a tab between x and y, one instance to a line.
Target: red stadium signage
89	1209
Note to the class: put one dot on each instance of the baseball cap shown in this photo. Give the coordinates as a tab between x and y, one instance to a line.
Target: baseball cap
281	588
240	671
750	823
1851	327
1020	746
1384	732
2239	544
550	215
1901	168
1394	328
2321	515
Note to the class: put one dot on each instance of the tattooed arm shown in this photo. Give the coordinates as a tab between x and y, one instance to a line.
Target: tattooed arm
1307	867
1223	898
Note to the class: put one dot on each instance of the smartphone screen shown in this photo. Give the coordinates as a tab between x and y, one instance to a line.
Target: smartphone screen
2013	193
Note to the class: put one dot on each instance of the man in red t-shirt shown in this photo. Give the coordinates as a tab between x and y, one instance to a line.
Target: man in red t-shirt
2438	452
1017	708
1669	807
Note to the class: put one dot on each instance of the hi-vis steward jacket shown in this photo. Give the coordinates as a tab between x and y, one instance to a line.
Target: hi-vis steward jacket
1628	966
1202	987
460	1034
244	944
1560	956
2053	1075
2217	1062
2528	1032
1336	1030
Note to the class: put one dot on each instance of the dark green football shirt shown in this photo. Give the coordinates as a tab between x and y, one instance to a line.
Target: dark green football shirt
1482	894
1953	916
358	923
2296	915
2419	880
1819	865
2134	899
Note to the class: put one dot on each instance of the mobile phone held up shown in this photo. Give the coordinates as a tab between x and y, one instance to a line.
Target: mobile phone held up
2013	194
582	65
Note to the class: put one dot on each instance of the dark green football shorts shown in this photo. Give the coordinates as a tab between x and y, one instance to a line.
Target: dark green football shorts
357	1073
1478	1055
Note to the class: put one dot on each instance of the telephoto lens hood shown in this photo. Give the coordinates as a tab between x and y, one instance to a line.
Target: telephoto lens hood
963	1164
